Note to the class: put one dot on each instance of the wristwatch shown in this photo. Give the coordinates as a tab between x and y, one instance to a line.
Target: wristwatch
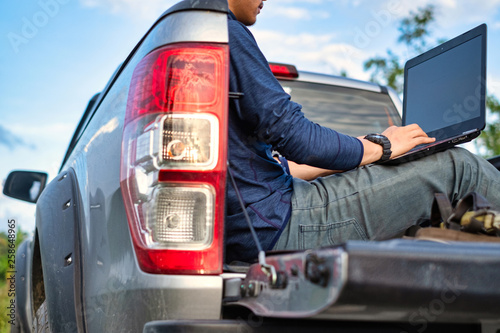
384	142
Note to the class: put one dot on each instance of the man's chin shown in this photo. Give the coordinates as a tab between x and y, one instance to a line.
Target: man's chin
249	23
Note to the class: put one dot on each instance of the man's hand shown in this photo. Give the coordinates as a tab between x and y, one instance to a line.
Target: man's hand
402	139
405	138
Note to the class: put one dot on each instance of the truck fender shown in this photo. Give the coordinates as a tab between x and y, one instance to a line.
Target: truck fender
23	283
57	222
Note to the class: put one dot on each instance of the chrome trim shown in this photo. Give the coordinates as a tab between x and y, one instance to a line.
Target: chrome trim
352	282
298	295
395	99
337	81
188	26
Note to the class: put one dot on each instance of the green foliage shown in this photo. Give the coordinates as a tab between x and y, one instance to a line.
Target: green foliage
489	140
4	268
415	35
414	29
4	250
387	70
4	302
3	253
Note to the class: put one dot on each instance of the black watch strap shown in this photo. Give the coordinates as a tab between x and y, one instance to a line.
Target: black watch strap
384	142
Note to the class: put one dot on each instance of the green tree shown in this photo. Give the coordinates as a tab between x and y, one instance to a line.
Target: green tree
489	140
389	70
414	31
4	251
4	268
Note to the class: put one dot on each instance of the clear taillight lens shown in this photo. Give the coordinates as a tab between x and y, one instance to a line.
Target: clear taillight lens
183	217
187	141
174	158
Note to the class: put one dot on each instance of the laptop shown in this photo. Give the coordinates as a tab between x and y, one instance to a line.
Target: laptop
445	93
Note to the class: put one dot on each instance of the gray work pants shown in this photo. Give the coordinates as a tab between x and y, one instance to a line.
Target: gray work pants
379	202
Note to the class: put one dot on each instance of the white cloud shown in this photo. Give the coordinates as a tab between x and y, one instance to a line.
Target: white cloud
12	209
57	130
493	84
144	10
12	141
310	52
293	13
296	13
303	40
450	13
22	212
51	143
316	2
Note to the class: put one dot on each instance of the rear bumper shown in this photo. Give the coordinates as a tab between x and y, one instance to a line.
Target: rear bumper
406	281
192	326
253	324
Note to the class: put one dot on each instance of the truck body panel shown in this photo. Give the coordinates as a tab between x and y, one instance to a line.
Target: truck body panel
82	264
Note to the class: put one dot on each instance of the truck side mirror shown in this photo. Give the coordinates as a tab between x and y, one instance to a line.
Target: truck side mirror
25	185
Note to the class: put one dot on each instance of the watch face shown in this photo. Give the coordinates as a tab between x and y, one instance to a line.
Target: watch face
381	140
374	137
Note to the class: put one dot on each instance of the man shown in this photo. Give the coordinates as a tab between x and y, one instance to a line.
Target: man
367	201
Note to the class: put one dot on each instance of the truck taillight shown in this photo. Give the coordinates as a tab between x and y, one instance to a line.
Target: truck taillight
284	71
174	157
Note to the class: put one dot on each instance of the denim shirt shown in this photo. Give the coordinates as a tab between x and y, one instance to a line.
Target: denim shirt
264	119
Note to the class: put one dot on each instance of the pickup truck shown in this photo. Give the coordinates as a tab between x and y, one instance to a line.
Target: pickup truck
129	235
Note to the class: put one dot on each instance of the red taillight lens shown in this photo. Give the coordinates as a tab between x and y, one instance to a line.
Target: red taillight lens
284	71
174	158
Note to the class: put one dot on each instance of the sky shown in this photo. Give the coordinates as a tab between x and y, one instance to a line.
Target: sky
56	54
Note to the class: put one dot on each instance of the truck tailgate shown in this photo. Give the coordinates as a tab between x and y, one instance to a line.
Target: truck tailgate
402	280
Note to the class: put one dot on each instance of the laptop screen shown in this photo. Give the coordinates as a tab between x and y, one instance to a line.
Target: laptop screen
445	87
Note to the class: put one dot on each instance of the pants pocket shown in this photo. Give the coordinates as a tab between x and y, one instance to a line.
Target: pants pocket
318	235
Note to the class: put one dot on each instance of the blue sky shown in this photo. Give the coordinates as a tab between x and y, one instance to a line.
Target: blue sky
56	54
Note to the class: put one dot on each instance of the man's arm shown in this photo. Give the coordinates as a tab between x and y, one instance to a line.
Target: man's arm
307	172
402	139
